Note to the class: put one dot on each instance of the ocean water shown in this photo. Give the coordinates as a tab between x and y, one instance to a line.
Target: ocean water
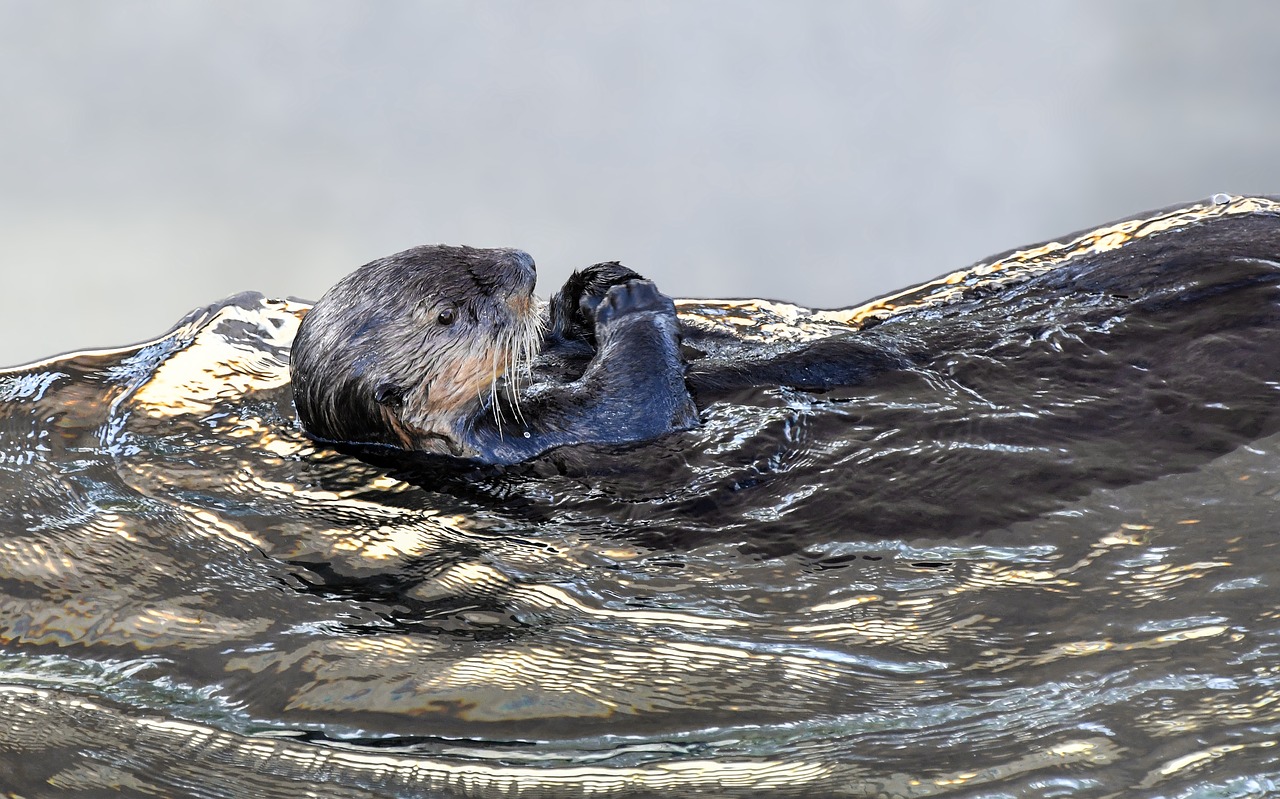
1040	562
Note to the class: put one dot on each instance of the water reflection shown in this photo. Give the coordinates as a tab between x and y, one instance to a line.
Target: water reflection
944	582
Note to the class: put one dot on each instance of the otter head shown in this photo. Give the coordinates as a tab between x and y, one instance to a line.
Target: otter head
404	350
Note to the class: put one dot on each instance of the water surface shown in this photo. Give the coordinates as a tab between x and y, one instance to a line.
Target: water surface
986	576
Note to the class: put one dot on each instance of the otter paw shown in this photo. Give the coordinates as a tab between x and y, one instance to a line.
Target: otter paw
592	283
634	296
587	287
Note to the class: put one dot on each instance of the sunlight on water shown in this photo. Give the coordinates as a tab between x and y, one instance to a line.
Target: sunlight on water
944	582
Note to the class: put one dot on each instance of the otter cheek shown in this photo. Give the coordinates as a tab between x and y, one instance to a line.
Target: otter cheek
472	377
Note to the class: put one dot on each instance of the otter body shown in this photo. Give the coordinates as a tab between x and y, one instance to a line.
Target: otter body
611	361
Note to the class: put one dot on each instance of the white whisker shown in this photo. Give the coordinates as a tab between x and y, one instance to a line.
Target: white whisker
513	376
525	340
529	344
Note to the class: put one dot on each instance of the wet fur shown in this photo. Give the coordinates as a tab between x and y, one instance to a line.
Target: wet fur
372	365
372	368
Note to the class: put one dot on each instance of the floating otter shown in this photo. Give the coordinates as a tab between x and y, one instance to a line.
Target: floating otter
443	350
408	352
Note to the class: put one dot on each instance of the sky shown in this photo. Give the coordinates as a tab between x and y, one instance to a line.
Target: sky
157	156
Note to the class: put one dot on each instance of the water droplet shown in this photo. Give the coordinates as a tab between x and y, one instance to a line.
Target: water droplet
1221	199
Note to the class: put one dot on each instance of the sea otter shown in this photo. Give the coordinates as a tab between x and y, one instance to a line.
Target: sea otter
443	350
408	352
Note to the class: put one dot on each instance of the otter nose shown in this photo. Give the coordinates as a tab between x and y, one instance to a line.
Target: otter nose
524	274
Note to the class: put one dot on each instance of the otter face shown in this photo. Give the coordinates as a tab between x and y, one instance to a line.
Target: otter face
404	350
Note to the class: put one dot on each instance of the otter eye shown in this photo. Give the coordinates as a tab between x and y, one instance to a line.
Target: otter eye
446	317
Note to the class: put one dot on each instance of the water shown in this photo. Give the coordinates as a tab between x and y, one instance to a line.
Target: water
1040	562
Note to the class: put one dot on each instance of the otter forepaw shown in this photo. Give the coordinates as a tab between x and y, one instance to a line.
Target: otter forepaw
573	309
632	297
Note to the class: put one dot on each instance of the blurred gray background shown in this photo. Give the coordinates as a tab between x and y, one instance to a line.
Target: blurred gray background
156	156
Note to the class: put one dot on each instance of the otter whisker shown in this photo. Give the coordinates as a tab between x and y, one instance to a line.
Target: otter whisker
493	391
512	379
526	340
514	373
529	335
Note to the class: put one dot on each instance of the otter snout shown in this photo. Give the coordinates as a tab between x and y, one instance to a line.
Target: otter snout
522	273
520	276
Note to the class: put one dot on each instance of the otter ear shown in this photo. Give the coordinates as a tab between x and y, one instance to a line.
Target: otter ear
389	394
